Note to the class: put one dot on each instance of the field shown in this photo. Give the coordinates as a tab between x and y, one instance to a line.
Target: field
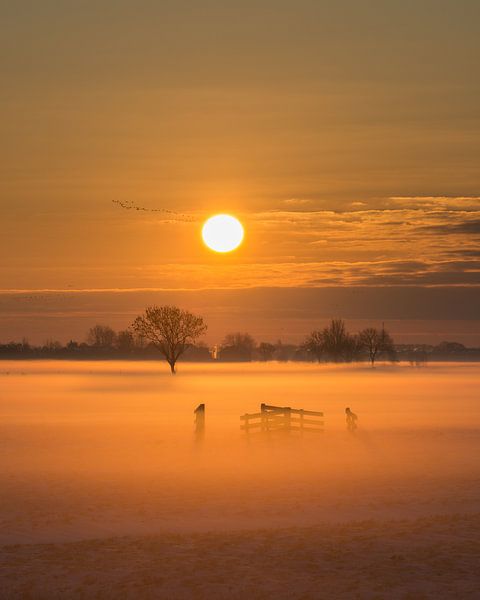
105	492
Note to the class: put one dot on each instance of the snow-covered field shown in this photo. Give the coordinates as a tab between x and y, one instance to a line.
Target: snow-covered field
104	492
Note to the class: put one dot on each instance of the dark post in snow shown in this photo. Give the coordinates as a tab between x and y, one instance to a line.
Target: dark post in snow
199	413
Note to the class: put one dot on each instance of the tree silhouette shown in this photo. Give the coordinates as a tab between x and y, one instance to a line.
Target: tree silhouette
315	344
237	346
337	342
125	341
376	342
333	342
101	336
352	348
266	351
170	329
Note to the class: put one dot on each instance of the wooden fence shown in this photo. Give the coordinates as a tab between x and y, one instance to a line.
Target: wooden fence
285	419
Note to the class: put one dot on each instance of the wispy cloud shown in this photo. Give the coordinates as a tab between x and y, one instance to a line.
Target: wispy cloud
442	202
467	227
411	241
426	241
328	273
297	202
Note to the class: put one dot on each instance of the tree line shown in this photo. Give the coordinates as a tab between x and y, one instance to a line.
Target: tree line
174	334
334	343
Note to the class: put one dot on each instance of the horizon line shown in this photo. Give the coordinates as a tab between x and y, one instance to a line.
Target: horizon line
4	291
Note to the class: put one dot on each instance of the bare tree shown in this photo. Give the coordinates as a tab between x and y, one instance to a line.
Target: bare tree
333	342
237	346
370	341
388	345
376	342
337	342
170	329
125	341
314	344
52	345
101	336
266	351
352	348
239	340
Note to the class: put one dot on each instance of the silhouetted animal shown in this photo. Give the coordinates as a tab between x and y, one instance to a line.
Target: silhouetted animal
351	420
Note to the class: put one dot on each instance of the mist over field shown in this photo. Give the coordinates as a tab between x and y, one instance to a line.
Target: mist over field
94	451
188	188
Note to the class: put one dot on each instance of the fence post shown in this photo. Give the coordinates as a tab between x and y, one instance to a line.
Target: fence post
301	421
264	416
288	418
199	413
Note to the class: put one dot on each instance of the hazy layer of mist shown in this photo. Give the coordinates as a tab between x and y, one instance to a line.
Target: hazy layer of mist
94	449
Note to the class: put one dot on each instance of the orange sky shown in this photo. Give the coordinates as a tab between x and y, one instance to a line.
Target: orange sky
344	135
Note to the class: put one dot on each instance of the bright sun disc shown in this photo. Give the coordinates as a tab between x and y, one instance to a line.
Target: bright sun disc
222	233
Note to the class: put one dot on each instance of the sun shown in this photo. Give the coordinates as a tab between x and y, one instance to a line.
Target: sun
222	233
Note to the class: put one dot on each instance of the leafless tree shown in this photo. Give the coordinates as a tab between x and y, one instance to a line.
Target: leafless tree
352	348
101	336
333	342
239	340
266	351
315	344
237	346
171	329
52	345
376	342
125	341
337	342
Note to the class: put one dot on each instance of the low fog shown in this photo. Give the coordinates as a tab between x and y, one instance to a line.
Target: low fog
102	449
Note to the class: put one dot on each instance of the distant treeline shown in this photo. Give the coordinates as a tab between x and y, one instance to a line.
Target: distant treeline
331	344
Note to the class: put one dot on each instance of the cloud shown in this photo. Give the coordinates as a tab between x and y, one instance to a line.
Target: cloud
426	279
469	253
297	202
395	245
467	227
327	273
428	244
443	202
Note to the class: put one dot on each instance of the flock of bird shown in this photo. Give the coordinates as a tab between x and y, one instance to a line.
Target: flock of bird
176	216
